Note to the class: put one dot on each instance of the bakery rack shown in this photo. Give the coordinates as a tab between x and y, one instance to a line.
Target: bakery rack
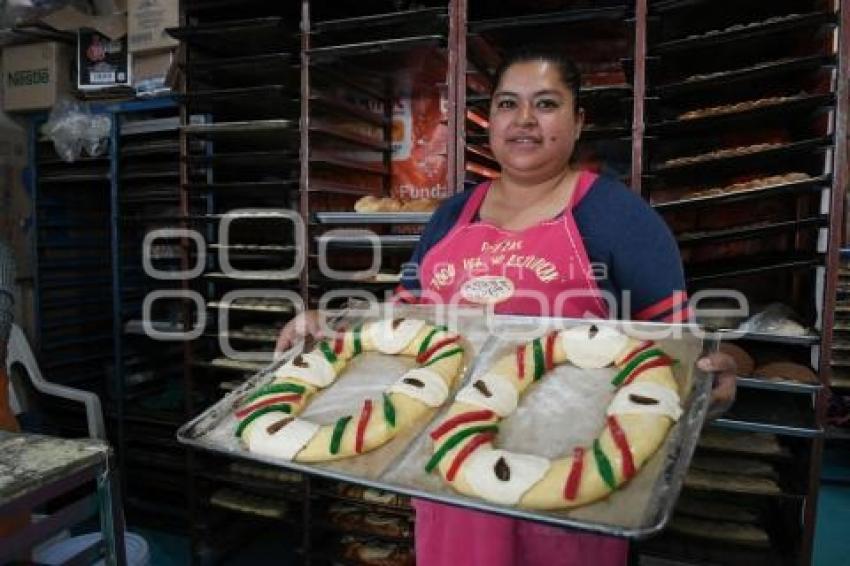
239	133
357	62
743	155
91	217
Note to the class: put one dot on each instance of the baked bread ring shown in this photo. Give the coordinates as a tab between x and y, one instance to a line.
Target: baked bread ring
638	419
267	418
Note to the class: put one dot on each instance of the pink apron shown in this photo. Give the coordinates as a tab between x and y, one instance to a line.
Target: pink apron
523	272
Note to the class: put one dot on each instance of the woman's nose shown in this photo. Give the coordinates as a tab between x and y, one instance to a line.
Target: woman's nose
525	114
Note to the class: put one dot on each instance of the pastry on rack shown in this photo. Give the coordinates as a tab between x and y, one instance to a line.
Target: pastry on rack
787	370
736	107
371	552
720	531
371	495
744	362
354	517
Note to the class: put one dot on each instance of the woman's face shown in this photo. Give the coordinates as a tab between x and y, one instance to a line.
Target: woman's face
533	127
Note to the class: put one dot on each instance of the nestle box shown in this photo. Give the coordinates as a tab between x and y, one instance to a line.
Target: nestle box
36	75
102	62
147	21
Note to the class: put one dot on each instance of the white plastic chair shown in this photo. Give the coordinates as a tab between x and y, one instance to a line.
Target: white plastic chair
19	352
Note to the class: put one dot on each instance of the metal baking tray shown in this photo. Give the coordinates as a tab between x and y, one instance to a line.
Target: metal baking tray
757	230
758	71
775	25
373	217
781	111
640	509
795	187
778	152
751	265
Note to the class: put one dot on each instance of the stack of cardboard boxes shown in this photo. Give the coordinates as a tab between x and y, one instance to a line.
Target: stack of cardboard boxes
114	52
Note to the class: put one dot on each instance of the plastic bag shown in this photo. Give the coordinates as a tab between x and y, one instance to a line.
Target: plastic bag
777	319
73	128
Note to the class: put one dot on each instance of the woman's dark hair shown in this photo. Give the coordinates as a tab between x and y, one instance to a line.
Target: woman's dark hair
570	74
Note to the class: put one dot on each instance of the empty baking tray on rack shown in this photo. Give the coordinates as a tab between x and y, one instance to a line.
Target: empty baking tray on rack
740	113
638	509
254	134
372	217
374	48
364	241
240	187
794	187
757	72
241	37
258	102
753	154
390	25
330	129
535	22
746	266
78	174
250	70
329	104
155	146
780	413
331	159
757	230
770	26
246	163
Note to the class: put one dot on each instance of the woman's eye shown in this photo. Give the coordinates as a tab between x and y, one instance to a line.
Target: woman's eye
505	104
547	103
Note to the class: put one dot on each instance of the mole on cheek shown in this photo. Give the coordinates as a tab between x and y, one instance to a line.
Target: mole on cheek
553	138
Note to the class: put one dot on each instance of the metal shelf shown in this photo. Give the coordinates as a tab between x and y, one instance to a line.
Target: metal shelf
781	151
373	217
335	52
239	37
614	13
795	187
778	110
366	242
756	230
749	266
755	72
778	385
744	32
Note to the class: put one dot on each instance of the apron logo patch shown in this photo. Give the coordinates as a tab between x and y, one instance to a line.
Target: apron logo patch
487	290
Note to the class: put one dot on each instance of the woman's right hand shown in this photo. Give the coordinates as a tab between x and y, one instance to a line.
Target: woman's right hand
308	323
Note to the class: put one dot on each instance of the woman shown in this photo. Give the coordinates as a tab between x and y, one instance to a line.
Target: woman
545	238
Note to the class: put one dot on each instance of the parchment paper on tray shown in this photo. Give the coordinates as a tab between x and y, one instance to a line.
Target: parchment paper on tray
366	376
567	409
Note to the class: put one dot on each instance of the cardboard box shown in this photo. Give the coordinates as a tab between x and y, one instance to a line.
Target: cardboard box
147	21
150	72
103	59
35	76
102	62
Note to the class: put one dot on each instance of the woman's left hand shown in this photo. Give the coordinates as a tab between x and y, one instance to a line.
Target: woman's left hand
723	393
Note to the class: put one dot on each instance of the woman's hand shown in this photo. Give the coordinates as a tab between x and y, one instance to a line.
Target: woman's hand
723	393
308	323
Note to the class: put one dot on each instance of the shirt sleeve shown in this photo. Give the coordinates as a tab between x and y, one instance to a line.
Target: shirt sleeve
644	266
647	265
